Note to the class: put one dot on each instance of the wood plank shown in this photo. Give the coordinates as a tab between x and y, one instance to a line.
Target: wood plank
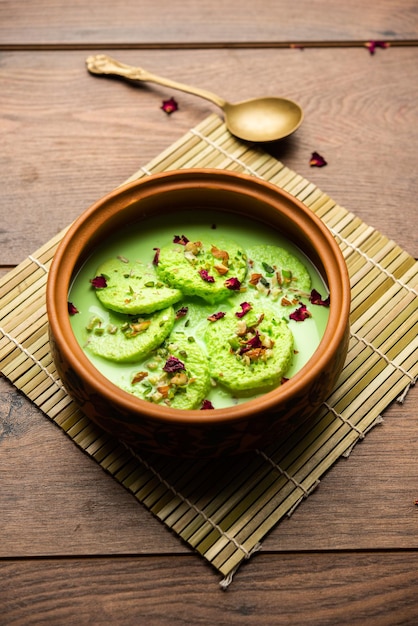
366	500
347	589
56	22
76	547
79	136
55	500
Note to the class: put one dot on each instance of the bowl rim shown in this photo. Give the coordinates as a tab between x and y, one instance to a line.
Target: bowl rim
61	273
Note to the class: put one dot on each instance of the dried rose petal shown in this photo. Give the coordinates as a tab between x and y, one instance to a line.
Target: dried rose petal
245	307
251	344
181	239
72	310
233	284
316	298
216	316
317	160
181	312
99	282
204	275
206	404
372	45
300	314
169	106
255	342
156	258
173	364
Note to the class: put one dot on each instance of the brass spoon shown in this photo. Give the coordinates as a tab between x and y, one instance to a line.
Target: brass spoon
259	120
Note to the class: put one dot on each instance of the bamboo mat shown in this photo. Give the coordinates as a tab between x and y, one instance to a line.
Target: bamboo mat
223	509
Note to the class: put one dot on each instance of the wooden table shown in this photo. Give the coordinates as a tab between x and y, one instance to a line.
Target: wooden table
75	547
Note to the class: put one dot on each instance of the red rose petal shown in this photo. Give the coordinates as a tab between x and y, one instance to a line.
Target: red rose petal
181	312
204	275
72	310
169	106
245	306
316	298
251	344
181	239
216	316
372	45
317	160
206	404
300	314
233	284
173	364
99	282
156	258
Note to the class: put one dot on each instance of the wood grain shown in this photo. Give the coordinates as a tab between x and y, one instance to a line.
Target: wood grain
76	548
56	501
311	588
79	136
161	22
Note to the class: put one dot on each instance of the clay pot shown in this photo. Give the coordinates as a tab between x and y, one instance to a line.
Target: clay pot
161	429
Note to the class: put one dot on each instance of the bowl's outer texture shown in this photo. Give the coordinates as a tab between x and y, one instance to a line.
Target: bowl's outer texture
150	427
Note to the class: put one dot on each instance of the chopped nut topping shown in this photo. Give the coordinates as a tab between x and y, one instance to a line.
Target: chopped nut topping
138	377
254	278
180	379
222	255
221	269
193	246
138	327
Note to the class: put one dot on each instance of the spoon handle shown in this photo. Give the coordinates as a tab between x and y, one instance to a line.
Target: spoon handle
103	64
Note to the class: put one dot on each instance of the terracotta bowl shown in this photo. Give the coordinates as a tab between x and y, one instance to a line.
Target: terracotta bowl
151	427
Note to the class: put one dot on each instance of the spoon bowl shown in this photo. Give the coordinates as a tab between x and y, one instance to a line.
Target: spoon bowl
263	119
257	120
